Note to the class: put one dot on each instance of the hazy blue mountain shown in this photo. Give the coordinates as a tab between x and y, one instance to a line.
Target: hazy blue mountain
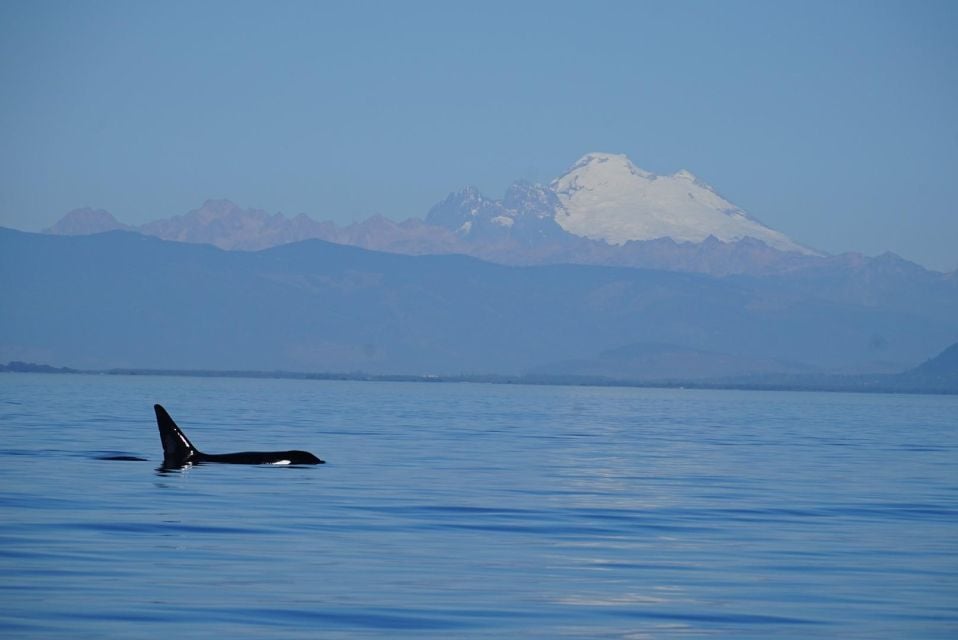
226	225
944	364
514	231
940	372
81	222
603	211
121	299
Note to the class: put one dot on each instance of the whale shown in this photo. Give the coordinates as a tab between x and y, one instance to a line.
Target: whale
179	452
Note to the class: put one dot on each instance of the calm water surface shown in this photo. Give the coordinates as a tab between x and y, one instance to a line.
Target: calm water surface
461	510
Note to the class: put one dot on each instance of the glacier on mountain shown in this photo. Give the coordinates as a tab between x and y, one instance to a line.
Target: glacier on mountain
606	197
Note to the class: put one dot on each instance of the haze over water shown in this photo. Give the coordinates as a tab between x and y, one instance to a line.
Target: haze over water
464	510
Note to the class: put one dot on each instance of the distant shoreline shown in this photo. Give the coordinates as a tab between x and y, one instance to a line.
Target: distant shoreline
886	384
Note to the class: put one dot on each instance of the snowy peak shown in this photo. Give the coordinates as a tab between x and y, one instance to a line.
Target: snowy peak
462	210
606	197
609	164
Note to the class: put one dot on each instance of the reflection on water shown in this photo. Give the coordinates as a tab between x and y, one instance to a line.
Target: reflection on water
477	511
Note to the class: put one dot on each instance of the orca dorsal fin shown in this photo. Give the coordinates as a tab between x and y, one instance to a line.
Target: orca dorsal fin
177	448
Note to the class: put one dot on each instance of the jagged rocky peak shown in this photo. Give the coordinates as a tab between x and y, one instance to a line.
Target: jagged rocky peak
525	216
474	216
527	198
462	209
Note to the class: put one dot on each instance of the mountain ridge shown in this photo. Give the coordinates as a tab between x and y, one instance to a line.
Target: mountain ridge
415	236
531	224
122	299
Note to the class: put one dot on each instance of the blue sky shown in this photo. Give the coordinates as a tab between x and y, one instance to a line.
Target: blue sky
834	122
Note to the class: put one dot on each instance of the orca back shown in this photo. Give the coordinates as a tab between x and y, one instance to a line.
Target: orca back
261	457
178	451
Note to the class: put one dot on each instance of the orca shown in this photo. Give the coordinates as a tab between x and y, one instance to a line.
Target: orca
179	452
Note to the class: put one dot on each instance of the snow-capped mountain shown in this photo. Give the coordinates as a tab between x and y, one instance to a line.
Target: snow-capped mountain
603	211
606	198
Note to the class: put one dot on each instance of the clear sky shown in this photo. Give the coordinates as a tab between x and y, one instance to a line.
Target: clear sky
834	122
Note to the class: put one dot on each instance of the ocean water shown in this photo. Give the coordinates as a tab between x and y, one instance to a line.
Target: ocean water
476	511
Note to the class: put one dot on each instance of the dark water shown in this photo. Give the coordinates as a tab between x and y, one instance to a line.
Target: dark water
476	511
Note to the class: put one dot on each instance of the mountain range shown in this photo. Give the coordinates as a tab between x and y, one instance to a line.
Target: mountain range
124	299
603	211
607	272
